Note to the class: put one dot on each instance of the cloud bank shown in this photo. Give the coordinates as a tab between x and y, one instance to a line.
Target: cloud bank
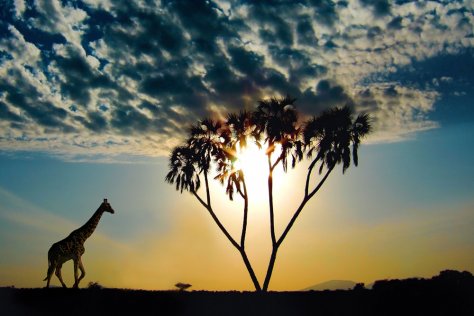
127	77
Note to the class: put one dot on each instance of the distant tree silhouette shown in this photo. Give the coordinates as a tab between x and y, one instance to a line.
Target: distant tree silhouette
359	287
94	286
182	286
327	140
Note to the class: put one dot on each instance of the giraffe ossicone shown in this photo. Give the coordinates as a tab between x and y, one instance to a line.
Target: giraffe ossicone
72	247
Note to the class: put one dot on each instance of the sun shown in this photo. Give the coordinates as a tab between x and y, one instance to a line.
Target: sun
253	161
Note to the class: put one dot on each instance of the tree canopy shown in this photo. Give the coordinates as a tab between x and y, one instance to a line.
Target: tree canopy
327	140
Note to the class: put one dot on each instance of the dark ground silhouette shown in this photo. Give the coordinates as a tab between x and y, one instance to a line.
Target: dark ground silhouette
450	293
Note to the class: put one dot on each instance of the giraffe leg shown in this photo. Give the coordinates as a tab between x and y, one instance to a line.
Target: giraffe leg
76	279
58	274
83	271
49	274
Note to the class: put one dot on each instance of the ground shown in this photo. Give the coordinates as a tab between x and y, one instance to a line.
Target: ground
395	297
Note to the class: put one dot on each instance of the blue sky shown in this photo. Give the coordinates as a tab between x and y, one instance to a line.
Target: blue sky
95	94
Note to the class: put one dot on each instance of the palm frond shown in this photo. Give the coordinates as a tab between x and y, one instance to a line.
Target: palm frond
332	134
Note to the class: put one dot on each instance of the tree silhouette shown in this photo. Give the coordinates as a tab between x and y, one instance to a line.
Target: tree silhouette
210	140
182	286
328	140
327	137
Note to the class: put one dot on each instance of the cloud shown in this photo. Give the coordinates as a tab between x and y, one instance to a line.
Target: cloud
117	78
6	114
20	50
20	7
379	7
55	18
78	75
326	94
398	112
305	32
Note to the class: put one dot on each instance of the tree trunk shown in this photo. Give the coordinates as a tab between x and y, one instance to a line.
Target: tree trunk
270	201
248	265
241	247
271	264
276	245
250	270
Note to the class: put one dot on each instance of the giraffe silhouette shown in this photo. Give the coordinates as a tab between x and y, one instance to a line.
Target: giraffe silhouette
72	247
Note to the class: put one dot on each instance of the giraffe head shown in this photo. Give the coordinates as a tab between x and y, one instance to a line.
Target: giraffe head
105	207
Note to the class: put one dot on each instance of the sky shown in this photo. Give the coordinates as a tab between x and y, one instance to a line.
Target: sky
95	94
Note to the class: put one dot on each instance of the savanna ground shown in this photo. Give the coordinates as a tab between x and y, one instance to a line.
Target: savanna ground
450	293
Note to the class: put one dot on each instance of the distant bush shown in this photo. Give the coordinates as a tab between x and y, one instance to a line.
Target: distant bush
182	286
446	280
359	287
94	286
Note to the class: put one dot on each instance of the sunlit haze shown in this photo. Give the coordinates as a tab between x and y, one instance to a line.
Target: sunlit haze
253	162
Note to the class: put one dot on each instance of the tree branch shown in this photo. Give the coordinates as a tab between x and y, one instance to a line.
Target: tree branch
276	163
271	263
240	248
308	177
300	208
245	217
200	199
208	194
270	201
242	194
316	189
250	270
217	221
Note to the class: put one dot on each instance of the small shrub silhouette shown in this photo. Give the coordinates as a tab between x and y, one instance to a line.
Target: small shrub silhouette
359	287
94	286
182	286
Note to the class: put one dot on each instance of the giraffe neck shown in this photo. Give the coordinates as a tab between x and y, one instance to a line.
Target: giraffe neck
86	230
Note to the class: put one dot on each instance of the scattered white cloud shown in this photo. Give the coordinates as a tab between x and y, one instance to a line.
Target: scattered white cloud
113	78
398	112
22	52
20	8
58	19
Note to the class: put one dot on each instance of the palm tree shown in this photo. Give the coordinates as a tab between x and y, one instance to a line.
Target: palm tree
276	119
329	139
241	127
329	136
183	172
238	128
205	142
214	141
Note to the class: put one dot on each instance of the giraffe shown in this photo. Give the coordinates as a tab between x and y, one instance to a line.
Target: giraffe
72	247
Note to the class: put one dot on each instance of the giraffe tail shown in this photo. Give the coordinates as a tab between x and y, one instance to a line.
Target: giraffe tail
46	275
49	267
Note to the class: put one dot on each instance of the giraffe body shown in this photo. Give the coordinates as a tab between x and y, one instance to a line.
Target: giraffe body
72	248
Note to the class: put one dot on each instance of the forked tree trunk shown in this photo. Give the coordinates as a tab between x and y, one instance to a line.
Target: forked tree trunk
241	247
278	243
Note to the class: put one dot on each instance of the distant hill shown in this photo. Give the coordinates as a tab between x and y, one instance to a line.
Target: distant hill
332	285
